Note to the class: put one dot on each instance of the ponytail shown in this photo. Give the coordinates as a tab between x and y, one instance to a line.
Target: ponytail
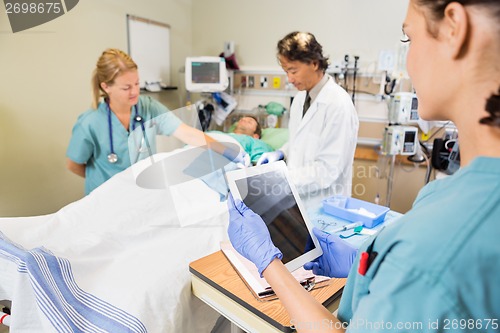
493	107
96	91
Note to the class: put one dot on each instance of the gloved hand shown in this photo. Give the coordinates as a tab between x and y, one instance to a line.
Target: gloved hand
243	160
249	235
337	259
240	158
270	157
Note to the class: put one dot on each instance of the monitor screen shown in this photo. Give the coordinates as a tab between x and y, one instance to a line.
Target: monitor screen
206	74
270	196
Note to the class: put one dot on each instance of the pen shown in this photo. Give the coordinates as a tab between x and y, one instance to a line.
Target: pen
347	227
363	263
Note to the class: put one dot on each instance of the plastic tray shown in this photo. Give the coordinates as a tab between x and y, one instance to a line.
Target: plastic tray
339	206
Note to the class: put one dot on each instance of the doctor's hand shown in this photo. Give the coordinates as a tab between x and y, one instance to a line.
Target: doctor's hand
249	235
337	259
240	158
271	157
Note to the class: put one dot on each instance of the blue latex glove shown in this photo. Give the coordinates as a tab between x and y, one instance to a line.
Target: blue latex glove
271	157
249	235
240	158
337	259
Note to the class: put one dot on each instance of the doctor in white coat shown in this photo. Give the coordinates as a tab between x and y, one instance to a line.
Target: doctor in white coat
323	123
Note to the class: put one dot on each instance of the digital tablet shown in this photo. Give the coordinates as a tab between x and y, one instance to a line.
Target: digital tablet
267	190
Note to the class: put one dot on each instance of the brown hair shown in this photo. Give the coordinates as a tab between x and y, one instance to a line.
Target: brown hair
437	9
303	47
111	63
258	129
493	107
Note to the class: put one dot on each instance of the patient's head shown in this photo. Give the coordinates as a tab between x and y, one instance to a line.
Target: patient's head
248	125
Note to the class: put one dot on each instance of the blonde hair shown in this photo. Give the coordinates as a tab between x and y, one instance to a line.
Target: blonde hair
111	63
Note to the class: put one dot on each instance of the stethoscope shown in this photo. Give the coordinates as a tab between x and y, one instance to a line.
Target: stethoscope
112	157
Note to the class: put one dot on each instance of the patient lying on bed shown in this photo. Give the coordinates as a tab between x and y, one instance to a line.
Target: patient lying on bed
248	133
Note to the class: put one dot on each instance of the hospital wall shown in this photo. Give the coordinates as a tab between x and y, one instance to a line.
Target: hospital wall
45	72
360	27
45	84
355	27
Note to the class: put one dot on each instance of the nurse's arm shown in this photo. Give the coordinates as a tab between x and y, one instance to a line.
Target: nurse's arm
194	137
306	313
76	168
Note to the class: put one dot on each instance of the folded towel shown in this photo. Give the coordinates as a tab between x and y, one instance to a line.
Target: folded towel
66	306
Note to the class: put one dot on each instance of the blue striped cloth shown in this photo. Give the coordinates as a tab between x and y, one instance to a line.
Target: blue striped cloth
67	307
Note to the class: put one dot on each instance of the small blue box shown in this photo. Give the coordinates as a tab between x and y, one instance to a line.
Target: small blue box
339	206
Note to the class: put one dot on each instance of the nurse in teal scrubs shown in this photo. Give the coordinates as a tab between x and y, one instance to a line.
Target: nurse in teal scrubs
98	148
438	268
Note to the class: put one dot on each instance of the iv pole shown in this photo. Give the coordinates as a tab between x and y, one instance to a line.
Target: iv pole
390	180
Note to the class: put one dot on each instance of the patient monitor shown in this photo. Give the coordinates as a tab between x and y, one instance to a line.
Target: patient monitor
400	140
206	74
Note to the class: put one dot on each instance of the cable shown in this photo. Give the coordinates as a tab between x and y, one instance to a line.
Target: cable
356	58
408	170
362	92
429	169
424	152
390	84
448	142
441	128
346	69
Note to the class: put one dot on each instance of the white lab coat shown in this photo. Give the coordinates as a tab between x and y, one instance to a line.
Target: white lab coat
320	149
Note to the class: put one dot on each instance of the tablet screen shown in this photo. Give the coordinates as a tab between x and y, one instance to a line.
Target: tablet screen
269	195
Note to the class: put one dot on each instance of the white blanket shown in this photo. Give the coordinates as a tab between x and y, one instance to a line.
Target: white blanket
123	254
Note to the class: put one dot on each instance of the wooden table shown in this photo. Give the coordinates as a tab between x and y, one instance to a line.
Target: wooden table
216	283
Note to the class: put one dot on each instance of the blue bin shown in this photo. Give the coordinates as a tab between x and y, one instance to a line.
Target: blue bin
334	206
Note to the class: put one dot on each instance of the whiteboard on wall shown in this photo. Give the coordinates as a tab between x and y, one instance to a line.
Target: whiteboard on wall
149	47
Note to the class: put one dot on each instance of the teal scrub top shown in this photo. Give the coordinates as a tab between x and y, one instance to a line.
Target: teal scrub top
254	147
438	268
90	140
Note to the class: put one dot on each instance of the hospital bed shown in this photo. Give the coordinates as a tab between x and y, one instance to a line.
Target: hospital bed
114	261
